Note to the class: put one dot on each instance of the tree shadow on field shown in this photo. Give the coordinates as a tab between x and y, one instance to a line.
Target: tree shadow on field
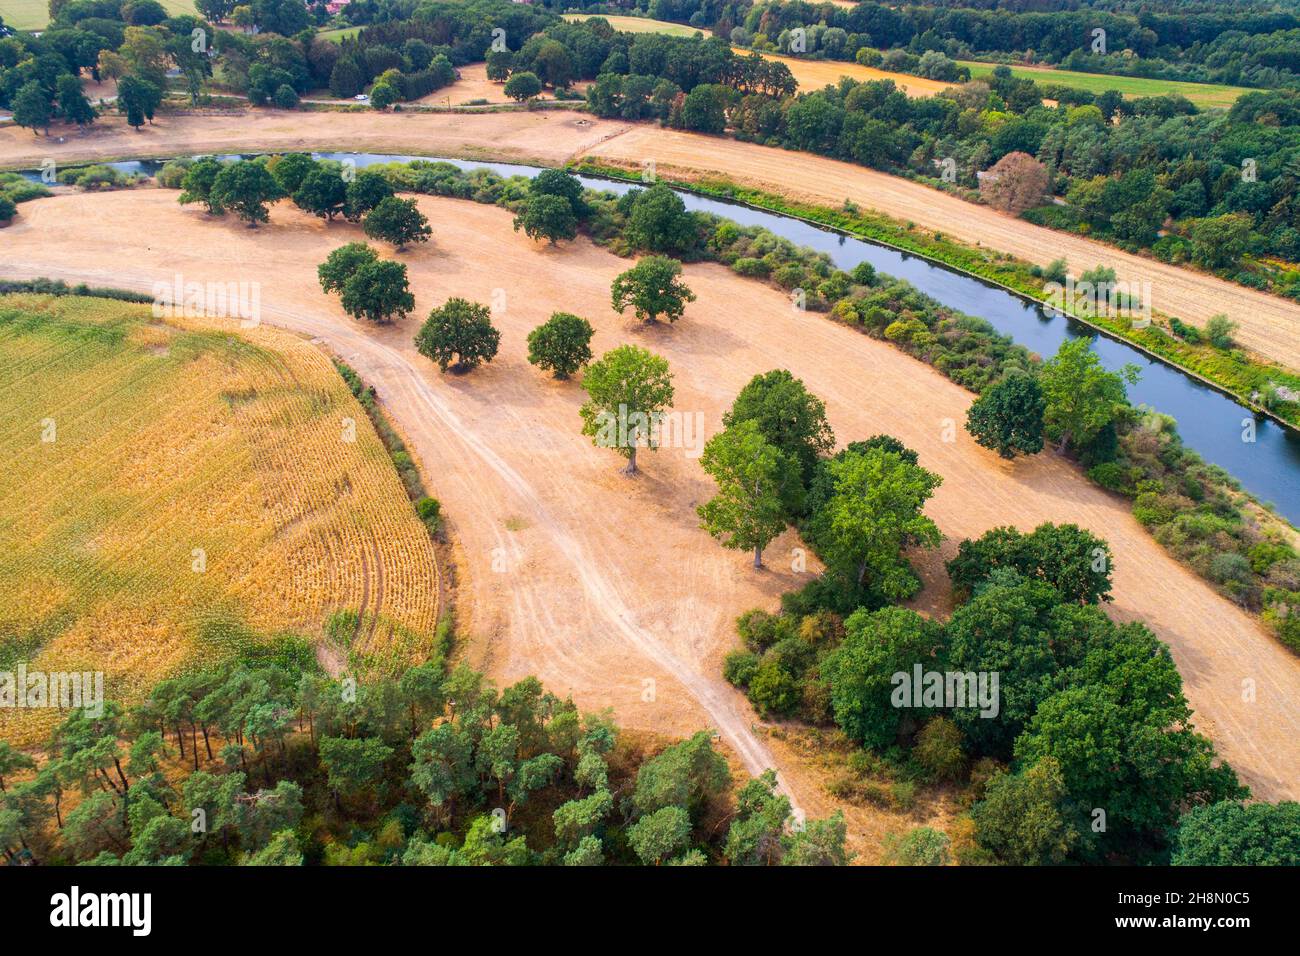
684	338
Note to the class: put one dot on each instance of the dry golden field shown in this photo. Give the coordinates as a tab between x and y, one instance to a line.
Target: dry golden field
178	491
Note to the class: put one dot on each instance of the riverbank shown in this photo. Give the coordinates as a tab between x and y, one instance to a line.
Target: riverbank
1234	373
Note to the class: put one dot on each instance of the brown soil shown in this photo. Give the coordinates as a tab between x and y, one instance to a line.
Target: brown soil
602	585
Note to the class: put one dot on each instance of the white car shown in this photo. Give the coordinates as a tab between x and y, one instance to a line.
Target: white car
361	98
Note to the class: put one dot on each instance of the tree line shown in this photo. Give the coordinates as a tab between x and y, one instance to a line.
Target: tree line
266	761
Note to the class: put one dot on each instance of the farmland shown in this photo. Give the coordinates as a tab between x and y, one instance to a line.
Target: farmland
183	491
1204	95
579	603
809	74
814	74
744	458
35	14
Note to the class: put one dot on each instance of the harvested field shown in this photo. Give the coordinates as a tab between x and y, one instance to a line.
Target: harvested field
180	490
1268	325
604	586
545	137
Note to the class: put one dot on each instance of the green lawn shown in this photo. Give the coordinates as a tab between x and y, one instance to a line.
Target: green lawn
35	14
333	36
1202	94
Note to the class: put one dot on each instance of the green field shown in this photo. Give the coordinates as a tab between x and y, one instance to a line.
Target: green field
634	25
1202	94
35	14
334	36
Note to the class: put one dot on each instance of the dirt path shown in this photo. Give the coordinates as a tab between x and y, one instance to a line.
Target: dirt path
603	586
1268	324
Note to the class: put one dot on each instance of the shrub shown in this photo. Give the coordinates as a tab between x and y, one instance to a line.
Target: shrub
429	510
922	846
738	667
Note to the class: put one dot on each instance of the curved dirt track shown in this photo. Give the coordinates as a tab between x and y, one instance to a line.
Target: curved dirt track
1268	324
599	583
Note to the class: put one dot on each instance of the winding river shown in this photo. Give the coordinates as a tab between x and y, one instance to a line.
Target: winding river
1210	422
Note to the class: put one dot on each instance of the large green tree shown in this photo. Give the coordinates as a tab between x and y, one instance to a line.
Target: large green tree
1020	820
657	220
1082	397
876	646
561	344
547	217
322	193
31	107
653	287
458	333
755	482
874	511
398	221
246	188
1074	561
138	99
788	415
628	390
378	291
1236	834
342	263
1008	417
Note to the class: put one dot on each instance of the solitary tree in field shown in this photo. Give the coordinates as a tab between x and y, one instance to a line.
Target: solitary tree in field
322	193
245	187
458	333
1082	397
378	291
197	184
547	217
340	264
1008	418
398	221
789	417
652	287
561	344
628	390
1014	183
755	481
364	193
523	86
